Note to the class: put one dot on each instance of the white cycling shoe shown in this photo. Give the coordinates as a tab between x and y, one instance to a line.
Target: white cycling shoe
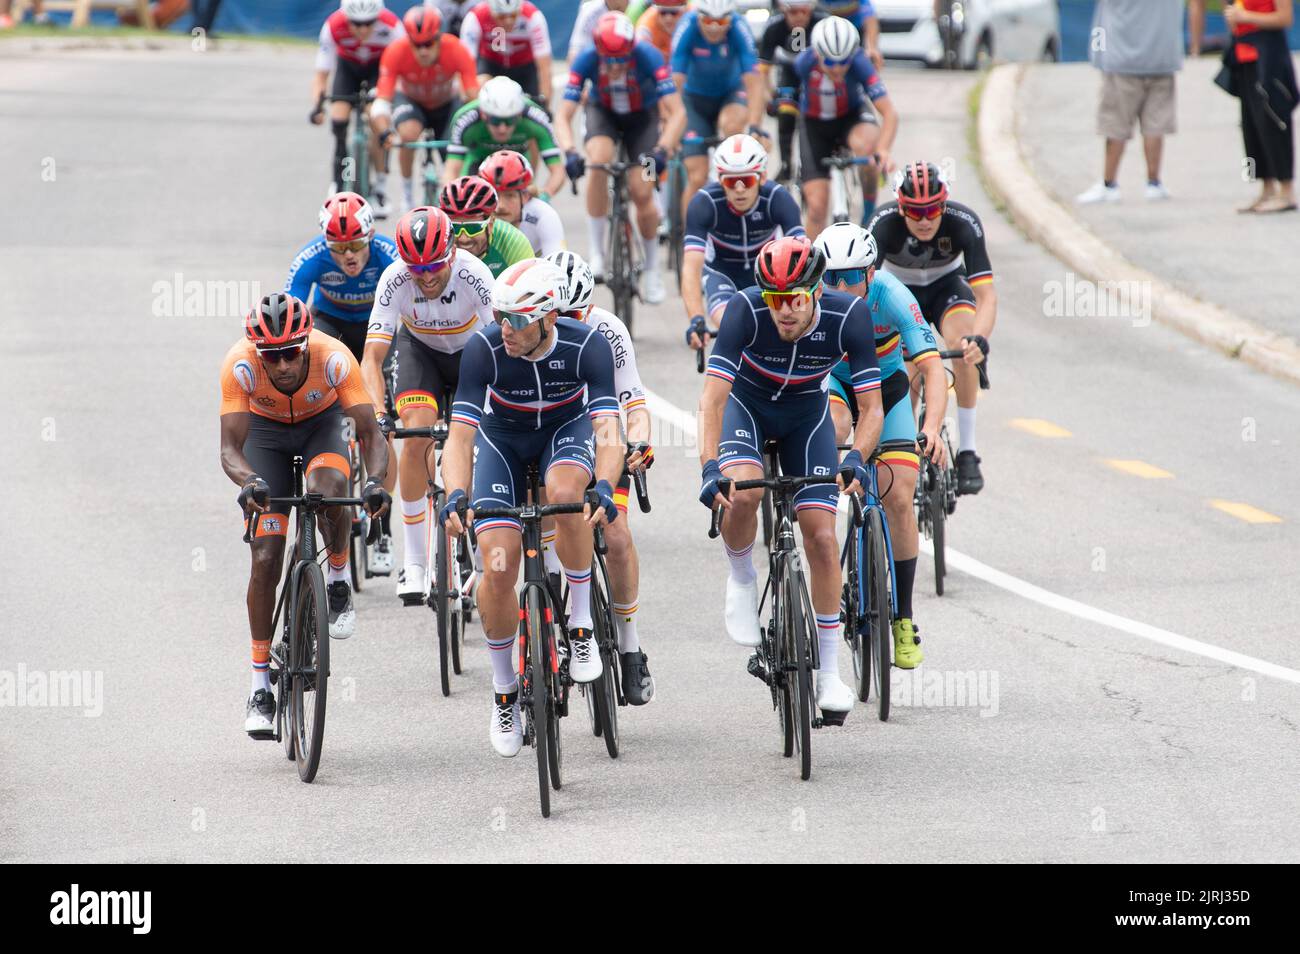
832	694
584	657
654	288
412	585
742	612
504	730
379	557
597	263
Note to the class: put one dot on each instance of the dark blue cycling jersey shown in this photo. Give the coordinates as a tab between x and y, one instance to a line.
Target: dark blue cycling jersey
730	241
750	354
347	299
517	394
645	81
713	69
822	96
856	12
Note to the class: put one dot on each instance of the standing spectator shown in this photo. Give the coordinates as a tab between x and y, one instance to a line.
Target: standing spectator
1138	46
205	12
1258	70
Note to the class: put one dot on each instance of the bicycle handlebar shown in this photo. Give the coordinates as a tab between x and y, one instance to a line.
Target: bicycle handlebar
438	432
843	162
530	513
312	502
780	483
427	144
957	354
638	478
699	355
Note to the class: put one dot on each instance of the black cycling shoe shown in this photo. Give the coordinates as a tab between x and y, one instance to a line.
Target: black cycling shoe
969	478
638	684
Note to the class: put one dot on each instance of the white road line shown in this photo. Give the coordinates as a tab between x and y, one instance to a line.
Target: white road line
676	417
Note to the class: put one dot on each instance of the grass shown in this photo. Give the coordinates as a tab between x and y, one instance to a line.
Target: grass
27	31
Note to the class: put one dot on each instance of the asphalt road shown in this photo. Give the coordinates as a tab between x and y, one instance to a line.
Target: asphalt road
126	169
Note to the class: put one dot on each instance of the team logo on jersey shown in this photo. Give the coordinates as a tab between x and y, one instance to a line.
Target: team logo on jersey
945	246
243	372
332	278
448	298
266	401
557	365
313	395
817	336
336	369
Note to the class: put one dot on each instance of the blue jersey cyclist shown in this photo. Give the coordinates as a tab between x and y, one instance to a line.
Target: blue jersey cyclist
715	65
900	331
634	101
533	388
862	14
840	94
727	222
767	380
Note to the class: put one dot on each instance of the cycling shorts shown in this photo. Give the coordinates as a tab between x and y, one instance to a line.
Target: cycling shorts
271	446
435	118
719	288
803	429
899	430
820	138
943	297
702	118
348	77
422	377
525	74
502	455
639	131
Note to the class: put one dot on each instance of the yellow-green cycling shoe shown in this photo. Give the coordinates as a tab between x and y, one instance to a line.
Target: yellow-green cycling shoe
907	645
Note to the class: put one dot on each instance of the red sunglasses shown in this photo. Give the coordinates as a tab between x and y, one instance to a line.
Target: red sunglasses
919	212
745	181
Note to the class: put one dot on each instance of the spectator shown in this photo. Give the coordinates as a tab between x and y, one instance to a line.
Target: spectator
39	16
1258	70
205	12
1138	46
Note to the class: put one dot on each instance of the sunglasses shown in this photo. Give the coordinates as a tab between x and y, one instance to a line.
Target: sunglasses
429	269
502	120
471	229
845	276
426	46
788	299
276	355
919	212
746	181
715	21
517	322
360	245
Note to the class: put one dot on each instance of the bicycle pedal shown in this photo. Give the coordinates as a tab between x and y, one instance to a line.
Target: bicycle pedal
832	718
756	669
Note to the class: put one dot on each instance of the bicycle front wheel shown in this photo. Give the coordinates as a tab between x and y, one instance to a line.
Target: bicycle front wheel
854	616
438	596
603	691
878	611
800	673
309	650
536	690
938	507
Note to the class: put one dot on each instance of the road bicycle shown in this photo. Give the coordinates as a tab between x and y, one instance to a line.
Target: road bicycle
431	151
675	185
300	661
846	184
356	167
624	257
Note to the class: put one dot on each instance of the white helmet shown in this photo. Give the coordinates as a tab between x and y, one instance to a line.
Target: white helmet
500	8
362	11
835	38
715	8
798	4
534	287
501	97
738	155
579	278
846	245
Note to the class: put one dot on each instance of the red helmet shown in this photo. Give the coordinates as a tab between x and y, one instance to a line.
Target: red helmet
787	263
507	170
278	320
423	24
346	217
469	197
424	236
615	35
921	184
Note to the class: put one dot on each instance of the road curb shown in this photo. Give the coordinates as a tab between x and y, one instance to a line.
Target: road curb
1012	183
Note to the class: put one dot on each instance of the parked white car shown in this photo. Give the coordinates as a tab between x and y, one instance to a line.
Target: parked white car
1012	30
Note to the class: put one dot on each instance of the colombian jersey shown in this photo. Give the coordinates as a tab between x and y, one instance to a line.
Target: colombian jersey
444	323
333	375
316	278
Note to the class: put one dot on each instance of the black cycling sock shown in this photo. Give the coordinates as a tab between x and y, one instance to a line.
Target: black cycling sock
385	527
904	578
340	129
785	126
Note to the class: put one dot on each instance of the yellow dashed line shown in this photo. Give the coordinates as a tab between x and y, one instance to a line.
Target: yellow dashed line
1140	469
1244	511
1038	427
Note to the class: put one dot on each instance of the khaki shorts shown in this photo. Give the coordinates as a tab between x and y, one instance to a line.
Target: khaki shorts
1126	99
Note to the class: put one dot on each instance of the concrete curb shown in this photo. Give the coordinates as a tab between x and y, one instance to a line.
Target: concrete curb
1048	223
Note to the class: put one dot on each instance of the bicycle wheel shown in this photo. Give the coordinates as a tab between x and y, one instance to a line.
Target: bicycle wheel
535	690
937	505
283	701
438	597
604	691
773	645
767	519
878	611
309	648
556	699
455	613
676	230
854	616
801	678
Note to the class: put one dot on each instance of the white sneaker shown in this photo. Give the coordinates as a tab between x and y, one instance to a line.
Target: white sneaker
597	263
832	693
380	556
584	657
654	288
411	584
504	731
742	612
1098	193
1156	191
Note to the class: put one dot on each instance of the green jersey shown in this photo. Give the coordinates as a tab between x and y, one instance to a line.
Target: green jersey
507	246
472	141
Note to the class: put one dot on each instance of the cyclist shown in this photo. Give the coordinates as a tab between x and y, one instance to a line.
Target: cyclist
533	387
511	174
727	222
851	260
501	118
440	295
766	379
336	274
838	87
584	25
784	37
656	23
284	393
511	38
624	564
417	86
453	14
936	248
352	39
471	204
635	103
715	65
862	14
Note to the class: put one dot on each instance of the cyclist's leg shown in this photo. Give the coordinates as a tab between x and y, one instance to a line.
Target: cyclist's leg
419	384
327	470
346	82
787	118
640	134
899	467
955	319
816	142
862	140
568	465
409	120
269	450
701	123
842	404
601	139
733	114
740	458
624	567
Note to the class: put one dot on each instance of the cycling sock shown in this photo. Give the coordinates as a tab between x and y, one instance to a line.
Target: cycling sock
828	642
417	544
549	556
597	232
379	182
625	620
408	191
261	665
965	428
579	597
651	247
337	569
340	129
785	126
742	564
904	580
500	651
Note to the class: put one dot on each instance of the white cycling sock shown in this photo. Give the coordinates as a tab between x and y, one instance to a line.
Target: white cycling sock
742	564
597	232
261	666
651	248
966	428
579	597
625	621
549	556
336	569
501	652
828	642
417	541
408	191
379	180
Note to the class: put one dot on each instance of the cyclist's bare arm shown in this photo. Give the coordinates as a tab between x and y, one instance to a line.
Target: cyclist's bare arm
564	124
755	89
544	80
638	426
557	177
713	399
672	115
458	465
372	371
871	40
234	431
888	130
373	444
693	283
871	420
610	449
986	309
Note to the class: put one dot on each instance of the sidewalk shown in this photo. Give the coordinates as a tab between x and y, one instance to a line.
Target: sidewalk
1195	241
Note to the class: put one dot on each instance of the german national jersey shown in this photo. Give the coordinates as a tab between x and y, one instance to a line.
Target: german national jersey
730	241
316	278
333	376
444	323
822	96
639	87
337	41
957	245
